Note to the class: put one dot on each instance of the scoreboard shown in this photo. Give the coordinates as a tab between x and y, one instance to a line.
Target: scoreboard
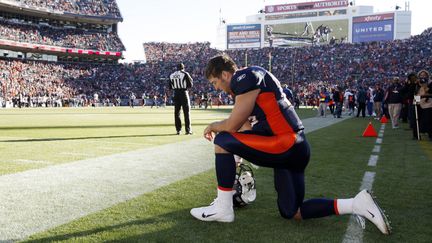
316	23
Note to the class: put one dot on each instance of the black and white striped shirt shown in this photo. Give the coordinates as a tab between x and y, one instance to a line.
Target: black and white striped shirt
180	80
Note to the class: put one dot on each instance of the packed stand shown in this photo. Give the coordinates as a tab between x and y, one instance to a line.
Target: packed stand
72	38
348	79
195	57
100	8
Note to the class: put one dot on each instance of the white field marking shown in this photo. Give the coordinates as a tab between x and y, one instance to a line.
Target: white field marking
29	161
40	199
315	123
14	138
98	142
77	154
37	200
112	148
381	132
129	143
376	149
77	140
373	160
354	231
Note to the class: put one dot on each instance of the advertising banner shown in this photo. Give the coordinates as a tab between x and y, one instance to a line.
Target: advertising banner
306	6
373	28
243	36
56	48
306	14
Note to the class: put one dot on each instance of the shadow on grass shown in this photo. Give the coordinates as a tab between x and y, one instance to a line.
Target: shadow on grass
180	226
85	233
184	227
83	138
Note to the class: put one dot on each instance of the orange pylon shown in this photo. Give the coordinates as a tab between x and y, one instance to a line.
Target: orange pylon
384	119
370	131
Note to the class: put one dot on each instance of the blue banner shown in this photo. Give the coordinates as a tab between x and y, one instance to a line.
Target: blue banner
373	31
244	36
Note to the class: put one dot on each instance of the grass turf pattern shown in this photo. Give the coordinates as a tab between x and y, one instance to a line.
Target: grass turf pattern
339	160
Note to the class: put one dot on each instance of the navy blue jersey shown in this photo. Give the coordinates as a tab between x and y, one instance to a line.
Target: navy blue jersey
273	114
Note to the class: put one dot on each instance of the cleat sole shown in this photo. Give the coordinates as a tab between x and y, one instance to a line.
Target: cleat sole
382	212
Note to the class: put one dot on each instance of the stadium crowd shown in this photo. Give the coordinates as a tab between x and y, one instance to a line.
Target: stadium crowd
100	8
72	38
313	73
306	69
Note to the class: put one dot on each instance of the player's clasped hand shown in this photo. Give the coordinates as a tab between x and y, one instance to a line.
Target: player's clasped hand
208	133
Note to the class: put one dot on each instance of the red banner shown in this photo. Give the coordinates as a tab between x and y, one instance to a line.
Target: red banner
57	49
305	6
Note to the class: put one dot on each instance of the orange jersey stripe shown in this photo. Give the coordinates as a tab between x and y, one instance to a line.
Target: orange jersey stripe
267	144
277	122
284	136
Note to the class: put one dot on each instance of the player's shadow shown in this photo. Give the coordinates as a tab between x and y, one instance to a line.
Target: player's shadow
83	138
182	227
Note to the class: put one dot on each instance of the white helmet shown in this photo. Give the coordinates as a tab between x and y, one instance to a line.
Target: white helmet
245	186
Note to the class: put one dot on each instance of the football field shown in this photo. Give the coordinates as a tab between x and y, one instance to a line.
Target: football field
33	141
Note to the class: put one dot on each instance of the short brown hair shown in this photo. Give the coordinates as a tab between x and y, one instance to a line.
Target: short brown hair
218	64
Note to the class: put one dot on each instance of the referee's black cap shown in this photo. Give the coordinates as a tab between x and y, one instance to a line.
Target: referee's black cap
180	66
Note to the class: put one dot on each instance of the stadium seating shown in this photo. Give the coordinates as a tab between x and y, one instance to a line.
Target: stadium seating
306	69
100	8
71	38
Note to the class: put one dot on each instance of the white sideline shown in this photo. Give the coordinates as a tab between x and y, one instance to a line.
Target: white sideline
37	200
373	160
376	149
354	233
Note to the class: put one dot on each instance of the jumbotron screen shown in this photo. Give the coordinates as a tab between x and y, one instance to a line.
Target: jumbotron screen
305	33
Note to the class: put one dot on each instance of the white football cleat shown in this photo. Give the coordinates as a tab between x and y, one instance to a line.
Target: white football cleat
215	212
365	205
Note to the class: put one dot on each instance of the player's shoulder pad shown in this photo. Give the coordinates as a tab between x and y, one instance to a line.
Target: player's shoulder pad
247	79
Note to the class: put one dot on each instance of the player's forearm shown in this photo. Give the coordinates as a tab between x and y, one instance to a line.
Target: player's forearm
224	126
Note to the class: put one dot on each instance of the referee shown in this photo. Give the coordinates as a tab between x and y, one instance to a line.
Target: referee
180	81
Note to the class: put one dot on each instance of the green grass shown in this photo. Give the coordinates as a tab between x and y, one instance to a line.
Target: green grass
35	138
339	160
